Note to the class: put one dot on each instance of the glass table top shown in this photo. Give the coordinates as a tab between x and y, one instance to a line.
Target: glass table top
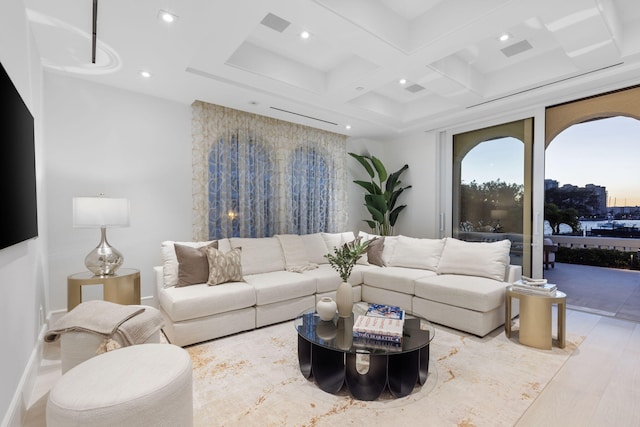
337	334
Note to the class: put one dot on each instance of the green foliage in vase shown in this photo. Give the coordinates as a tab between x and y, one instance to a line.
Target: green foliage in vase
344	257
382	193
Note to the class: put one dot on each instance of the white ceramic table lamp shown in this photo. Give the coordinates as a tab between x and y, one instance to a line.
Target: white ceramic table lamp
103	213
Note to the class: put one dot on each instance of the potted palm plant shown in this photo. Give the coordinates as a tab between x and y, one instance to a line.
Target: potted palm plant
343	259
382	194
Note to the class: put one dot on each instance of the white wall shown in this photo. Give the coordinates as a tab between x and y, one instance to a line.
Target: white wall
22	266
122	144
419	151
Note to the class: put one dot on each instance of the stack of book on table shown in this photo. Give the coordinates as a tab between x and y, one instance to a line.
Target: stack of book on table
534	286
380	323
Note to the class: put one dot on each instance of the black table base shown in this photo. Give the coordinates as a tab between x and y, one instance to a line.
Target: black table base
332	369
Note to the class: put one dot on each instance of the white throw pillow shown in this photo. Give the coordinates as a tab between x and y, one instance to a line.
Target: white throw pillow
259	254
389	247
475	258
412	252
316	247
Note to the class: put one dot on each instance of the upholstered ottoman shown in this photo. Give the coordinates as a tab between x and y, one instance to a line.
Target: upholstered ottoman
140	385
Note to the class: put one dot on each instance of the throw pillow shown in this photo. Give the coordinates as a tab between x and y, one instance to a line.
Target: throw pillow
224	267
475	258
374	251
193	266
412	252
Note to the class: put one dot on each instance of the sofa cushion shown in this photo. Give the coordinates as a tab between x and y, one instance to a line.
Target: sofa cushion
224	266
469	292
399	279
412	252
481	259
193	265
170	266
293	251
333	240
259	255
276	286
315	247
192	302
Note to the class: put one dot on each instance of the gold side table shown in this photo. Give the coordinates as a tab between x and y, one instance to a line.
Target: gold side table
122	288
535	318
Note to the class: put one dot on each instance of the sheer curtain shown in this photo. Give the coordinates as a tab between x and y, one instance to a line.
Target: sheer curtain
254	176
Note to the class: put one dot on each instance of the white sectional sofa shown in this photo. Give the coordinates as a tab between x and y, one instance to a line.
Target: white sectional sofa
450	282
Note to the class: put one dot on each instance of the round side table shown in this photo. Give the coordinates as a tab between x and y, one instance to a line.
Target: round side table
123	287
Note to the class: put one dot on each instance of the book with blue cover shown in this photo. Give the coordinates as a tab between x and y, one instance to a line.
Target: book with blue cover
386	311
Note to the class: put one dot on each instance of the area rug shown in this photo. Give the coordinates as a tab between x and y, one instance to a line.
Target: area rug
253	379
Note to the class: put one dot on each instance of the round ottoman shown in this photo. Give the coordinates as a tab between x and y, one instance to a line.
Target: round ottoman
140	385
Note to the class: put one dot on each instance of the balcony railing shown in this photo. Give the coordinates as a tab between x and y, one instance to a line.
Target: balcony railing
617	243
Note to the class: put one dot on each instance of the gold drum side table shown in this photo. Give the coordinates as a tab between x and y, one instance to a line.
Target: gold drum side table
535	318
123	287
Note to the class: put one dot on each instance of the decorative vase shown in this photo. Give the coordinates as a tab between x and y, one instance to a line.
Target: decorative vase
326	308
344	299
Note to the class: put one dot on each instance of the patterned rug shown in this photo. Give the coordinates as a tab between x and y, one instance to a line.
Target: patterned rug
253	379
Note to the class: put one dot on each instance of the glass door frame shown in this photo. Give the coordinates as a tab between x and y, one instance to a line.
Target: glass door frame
445	184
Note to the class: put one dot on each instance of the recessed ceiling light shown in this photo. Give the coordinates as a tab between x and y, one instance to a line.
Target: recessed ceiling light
347	127
145	74
504	37
402	81
167	17
305	34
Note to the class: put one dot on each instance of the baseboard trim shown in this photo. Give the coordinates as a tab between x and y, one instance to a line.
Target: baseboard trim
20	402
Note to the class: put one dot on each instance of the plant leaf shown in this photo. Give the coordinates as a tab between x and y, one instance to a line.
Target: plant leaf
369	186
364	161
382	172
393	216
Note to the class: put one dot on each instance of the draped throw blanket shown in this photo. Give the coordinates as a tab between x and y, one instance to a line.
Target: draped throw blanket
105	318
295	254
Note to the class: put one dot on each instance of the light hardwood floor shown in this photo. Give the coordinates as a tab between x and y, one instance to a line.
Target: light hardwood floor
599	385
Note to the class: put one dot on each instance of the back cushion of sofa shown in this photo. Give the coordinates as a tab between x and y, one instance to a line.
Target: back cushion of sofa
170	266
475	258
412	252
259	255
316	247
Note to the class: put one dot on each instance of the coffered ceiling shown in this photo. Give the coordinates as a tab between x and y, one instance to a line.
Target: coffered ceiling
248	54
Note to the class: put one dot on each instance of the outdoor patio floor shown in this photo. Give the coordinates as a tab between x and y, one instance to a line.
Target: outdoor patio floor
604	291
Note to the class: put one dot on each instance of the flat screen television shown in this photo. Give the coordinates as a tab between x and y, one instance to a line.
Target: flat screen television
17	167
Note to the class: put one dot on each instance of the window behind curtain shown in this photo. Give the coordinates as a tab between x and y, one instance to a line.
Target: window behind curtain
255	176
310	196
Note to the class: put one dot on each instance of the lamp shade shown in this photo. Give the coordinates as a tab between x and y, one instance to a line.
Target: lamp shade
97	212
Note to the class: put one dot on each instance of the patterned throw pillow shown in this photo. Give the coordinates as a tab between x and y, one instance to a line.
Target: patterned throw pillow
224	267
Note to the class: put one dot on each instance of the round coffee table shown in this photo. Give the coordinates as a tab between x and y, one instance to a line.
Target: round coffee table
328	352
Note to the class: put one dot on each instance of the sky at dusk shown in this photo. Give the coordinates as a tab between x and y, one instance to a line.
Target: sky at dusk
602	152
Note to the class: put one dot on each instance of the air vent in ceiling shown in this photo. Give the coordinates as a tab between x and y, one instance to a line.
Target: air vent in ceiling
304	115
516	48
414	88
275	22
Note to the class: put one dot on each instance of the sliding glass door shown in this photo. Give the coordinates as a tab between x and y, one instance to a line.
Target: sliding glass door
492	187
